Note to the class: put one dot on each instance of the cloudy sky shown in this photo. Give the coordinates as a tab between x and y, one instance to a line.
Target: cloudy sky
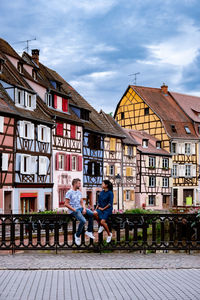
96	44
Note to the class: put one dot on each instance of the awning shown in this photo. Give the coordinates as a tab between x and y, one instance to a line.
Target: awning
30	195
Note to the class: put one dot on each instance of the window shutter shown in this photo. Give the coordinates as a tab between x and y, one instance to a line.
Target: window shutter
39	133
1	124
32	164
79	163
193	148
157	200
193	170
127	171
116	170
89	172
97	169
64	105
33	101
147	181
16	95
42	165
132	195
170	163
5	161
31	131
67	158
126	150
146	161
48	135
107	170
22	164
59	129
70	162
112	144
26	99
57	161
73	131
21	129
124	195
158	162
170	182
55	102
183	148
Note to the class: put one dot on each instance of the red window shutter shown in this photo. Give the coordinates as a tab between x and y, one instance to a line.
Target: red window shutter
79	163
67	162
57	161
64	104
59	129
73	131
70	162
55	101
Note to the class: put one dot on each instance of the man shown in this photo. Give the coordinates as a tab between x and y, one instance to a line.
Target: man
74	202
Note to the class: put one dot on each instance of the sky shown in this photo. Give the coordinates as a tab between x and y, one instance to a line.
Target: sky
96	44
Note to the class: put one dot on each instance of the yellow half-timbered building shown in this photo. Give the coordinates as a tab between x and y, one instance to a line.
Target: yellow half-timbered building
156	112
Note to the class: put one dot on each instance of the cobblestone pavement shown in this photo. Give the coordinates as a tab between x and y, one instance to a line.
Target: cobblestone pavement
99	284
66	260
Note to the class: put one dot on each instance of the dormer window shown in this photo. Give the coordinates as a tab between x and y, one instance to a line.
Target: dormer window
20	67
158	144
146	111
60	103
173	127
25	99
84	114
49	100
145	143
34	74
187	130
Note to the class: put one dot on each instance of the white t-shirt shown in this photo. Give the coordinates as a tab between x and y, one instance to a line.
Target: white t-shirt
75	198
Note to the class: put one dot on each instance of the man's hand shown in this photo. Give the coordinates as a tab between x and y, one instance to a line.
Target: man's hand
84	211
100	208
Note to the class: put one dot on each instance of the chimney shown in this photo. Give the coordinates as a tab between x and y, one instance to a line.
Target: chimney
164	89
35	56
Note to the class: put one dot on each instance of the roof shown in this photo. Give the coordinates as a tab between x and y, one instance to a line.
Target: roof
166	108
7	49
152	149
190	105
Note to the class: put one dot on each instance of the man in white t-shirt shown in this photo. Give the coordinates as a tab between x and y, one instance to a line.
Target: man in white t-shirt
74	202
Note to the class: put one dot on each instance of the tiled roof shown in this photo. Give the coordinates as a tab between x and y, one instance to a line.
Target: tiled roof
7	49
190	105
167	110
152	149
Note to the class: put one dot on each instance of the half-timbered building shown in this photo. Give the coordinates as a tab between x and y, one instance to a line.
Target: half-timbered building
120	160
32	171
156	112
154	164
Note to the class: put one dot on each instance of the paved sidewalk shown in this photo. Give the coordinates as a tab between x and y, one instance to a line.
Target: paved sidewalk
100	284
66	260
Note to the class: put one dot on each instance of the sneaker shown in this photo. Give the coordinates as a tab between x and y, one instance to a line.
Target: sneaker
77	240
101	229
90	234
109	238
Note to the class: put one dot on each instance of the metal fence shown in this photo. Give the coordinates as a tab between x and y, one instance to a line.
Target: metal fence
134	232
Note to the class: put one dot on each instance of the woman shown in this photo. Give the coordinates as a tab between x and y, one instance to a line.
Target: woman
105	207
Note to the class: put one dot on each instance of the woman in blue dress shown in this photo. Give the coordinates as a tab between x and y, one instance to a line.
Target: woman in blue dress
105	207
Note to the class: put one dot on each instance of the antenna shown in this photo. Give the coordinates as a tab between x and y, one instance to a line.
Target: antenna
27	44
135	79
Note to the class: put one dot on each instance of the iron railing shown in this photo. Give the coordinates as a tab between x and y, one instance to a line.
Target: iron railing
135	232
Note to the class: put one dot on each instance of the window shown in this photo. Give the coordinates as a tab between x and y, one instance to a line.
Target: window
26	130
59	129
158	144
28	164
173	148
34	74
30	100
94	141
128	195
42	165
64	105
152	162
122	115
145	143
146	111
74	160
152	200
49	101
129	171
20	67
61	161
93	168
152	181
187	130
130	151
112	170
187	148
44	134
188	170
173	128
73	131
165	163
165	182
61	196
175	171
85	114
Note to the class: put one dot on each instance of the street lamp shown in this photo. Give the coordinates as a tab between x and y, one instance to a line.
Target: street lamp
118	181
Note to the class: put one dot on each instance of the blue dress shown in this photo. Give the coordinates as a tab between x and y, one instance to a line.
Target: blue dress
105	198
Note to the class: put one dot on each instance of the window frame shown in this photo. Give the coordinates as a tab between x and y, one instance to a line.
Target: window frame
150	198
61	162
165	182
152	179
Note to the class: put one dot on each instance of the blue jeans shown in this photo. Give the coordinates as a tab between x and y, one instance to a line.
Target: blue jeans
79	216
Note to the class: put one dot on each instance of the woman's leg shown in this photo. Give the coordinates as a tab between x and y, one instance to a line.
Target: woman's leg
104	224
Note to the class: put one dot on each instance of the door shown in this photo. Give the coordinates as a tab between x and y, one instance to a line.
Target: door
89	199
175	197
28	204
7	202
188	197
48	203
166	201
